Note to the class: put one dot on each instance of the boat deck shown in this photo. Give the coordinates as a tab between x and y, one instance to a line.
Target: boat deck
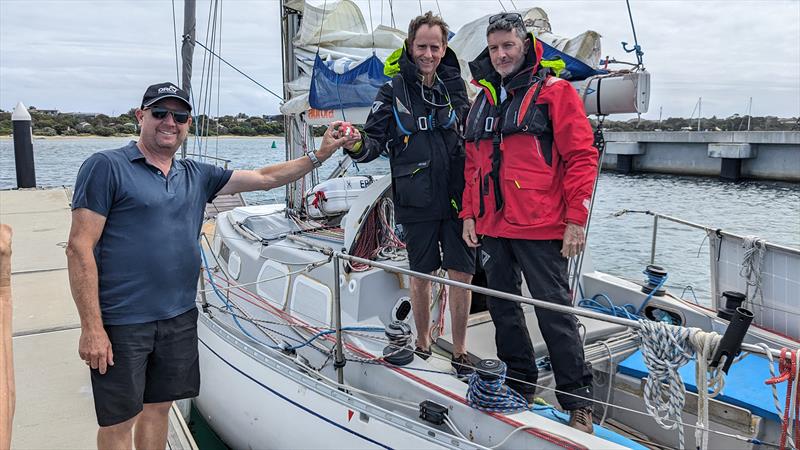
54	407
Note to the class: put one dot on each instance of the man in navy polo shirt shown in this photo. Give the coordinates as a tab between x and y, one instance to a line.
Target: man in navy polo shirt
134	259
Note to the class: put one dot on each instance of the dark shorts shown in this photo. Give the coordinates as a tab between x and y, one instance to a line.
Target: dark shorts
436	244
154	362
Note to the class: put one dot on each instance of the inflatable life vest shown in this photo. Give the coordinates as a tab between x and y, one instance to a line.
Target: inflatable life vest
413	117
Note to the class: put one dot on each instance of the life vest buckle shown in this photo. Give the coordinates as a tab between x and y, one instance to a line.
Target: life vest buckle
422	123
489	125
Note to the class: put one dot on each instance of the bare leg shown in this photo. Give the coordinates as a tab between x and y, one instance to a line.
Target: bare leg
421	307
116	437
7	389
151	428
460	301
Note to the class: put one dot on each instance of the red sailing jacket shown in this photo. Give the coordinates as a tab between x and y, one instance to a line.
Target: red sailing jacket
544	163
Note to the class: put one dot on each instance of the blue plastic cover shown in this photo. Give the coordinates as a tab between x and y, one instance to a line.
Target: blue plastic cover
356	87
744	385
578	70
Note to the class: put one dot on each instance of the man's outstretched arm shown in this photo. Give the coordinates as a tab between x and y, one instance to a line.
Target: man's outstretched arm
279	174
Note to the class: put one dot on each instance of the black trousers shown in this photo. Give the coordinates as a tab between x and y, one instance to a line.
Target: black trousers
546	275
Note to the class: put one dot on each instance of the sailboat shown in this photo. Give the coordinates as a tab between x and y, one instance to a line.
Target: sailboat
305	320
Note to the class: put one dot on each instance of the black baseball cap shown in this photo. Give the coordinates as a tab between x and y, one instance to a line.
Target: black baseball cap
161	91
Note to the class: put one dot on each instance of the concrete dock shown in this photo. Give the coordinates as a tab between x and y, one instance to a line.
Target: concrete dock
731	155
54	407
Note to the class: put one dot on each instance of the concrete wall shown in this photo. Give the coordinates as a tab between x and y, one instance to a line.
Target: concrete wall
769	155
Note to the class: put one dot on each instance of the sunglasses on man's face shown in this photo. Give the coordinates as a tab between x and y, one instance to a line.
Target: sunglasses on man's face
161	113
514	18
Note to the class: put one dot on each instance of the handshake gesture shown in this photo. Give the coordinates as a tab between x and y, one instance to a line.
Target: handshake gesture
338	134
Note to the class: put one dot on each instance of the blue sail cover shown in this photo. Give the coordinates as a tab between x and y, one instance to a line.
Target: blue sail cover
355	88
578	70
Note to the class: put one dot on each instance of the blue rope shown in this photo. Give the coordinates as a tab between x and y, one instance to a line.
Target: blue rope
652	279
627	310
494	396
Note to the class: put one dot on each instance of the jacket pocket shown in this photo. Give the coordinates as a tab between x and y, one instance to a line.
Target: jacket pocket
412	184
528	197
473	193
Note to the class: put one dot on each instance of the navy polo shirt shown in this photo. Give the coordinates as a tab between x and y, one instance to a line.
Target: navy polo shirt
148	257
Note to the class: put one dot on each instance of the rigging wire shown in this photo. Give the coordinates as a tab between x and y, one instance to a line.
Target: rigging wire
175	38
502	5
208	50
420	7
391	13
371	27
219	87
636	47
438	8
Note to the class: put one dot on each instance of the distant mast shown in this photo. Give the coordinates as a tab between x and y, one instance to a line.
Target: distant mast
187	51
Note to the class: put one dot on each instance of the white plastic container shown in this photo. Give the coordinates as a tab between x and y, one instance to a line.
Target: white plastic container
334	197
615	93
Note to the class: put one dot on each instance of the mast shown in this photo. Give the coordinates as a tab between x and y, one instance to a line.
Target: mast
187	51
699	111
296	130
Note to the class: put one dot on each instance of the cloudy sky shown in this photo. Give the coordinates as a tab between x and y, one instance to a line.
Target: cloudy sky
98	56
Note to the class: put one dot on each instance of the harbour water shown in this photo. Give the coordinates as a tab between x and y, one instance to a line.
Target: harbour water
619	245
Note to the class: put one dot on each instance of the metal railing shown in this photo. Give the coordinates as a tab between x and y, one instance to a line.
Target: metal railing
338	256
707	229
213	158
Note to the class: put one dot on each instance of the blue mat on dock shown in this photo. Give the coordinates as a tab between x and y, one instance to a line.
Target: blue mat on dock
744	385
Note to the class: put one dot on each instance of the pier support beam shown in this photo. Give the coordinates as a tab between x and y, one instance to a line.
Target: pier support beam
625	152
731	155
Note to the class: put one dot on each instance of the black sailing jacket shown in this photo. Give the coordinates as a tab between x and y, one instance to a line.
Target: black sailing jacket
420	129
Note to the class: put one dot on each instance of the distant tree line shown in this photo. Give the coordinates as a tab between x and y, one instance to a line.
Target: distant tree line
54	123
732	123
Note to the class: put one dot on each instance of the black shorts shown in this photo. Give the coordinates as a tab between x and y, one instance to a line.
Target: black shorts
436	244
154	362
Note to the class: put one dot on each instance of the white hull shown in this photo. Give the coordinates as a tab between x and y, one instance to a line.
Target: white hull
253	401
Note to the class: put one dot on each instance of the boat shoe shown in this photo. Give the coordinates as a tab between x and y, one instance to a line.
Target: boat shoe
462	364
422	353
581	419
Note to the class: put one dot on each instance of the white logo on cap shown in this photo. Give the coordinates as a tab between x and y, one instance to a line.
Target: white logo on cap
167	90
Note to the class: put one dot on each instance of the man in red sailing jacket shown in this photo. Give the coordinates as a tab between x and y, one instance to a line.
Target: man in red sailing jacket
529	172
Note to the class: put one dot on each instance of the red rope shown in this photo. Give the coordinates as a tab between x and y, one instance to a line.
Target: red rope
788	369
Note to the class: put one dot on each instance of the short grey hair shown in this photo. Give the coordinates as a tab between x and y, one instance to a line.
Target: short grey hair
508	25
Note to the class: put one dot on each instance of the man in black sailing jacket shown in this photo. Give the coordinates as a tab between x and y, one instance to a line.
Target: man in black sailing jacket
417	119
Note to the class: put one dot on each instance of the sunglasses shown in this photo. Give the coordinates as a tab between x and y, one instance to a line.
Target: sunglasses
514	18
178	116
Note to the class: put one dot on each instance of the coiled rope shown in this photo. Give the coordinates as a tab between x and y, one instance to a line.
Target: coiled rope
493	395
751	270
665	349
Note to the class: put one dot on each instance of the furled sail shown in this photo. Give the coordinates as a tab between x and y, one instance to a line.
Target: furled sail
341	61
